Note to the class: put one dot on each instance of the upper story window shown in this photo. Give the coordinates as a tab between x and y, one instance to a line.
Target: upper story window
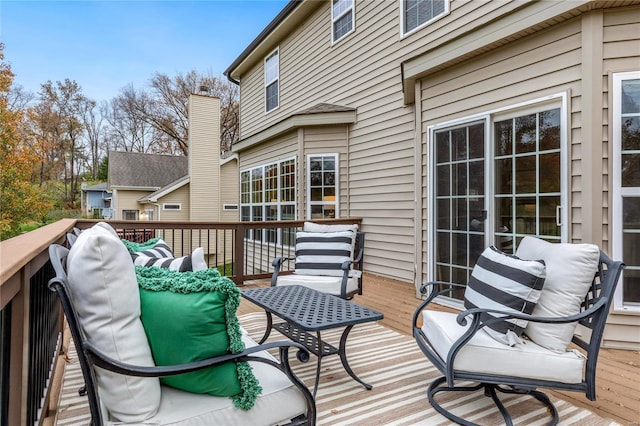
272	81
416	13
342	18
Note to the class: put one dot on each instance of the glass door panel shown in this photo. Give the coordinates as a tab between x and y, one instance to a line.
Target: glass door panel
459	202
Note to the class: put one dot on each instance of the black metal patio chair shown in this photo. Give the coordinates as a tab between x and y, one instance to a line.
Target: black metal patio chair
459	348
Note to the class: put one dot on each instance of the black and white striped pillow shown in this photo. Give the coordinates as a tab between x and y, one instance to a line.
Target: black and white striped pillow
159	249
506	283
322	253
193	262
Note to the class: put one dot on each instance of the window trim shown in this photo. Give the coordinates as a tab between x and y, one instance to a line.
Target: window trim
619	192
404	33
351	10
274	52
559	100
336	202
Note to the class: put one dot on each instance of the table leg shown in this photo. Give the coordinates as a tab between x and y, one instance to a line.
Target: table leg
343	357
268	330
315	387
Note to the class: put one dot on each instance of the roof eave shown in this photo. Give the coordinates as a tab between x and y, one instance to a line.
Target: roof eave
293	122
282	24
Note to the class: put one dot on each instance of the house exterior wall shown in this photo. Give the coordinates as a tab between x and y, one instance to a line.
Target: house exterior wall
480	57
128	200
229	191
179	196
574	58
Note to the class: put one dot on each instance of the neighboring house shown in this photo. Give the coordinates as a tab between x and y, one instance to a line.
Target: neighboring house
449	126
200	187
95	201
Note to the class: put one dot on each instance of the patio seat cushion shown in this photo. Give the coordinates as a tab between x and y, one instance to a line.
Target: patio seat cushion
505	283
155	247
104	292
326	284
279	402
482	354
193	262
570	272
323	253
191	316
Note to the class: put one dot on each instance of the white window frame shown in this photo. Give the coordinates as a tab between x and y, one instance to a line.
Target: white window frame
404	33
279	203
352	10
536	105
268	81
335	202
619	192
172	207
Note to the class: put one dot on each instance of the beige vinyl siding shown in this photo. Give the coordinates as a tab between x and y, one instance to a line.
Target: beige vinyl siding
537	66
282	147
179	196
327	140
621	52
204	159
128	200
229	191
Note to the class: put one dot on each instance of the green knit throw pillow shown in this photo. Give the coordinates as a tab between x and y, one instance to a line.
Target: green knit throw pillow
190	316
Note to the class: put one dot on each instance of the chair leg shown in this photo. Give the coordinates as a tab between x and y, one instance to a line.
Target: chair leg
489	390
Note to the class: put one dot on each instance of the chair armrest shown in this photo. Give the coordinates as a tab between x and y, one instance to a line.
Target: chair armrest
108	363
519	315
277	265
424	288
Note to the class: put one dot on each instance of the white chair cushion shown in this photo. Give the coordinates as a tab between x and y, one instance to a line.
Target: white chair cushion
279	402
104	291
570	271
325	284
482	354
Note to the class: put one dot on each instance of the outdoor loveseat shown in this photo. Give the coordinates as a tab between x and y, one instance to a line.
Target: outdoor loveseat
97	285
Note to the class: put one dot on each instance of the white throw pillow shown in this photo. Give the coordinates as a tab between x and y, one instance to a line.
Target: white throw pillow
193	262
570	271
105	294
319	227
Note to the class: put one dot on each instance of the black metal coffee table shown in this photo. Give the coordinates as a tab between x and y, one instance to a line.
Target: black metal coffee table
305	310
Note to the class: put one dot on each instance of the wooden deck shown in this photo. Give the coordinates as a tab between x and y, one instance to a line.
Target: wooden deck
618	375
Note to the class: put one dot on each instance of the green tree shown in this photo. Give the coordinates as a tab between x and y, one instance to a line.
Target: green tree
20	201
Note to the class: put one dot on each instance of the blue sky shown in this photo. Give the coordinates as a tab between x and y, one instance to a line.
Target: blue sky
106	45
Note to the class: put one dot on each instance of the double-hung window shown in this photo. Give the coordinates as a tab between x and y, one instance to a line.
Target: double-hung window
342	18
322	186
268	193
626	186
416	13
272	81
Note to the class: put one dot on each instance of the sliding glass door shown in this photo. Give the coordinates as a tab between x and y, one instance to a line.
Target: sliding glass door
493	187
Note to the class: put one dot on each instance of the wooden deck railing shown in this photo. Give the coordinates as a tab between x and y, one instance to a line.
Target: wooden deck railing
31	322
